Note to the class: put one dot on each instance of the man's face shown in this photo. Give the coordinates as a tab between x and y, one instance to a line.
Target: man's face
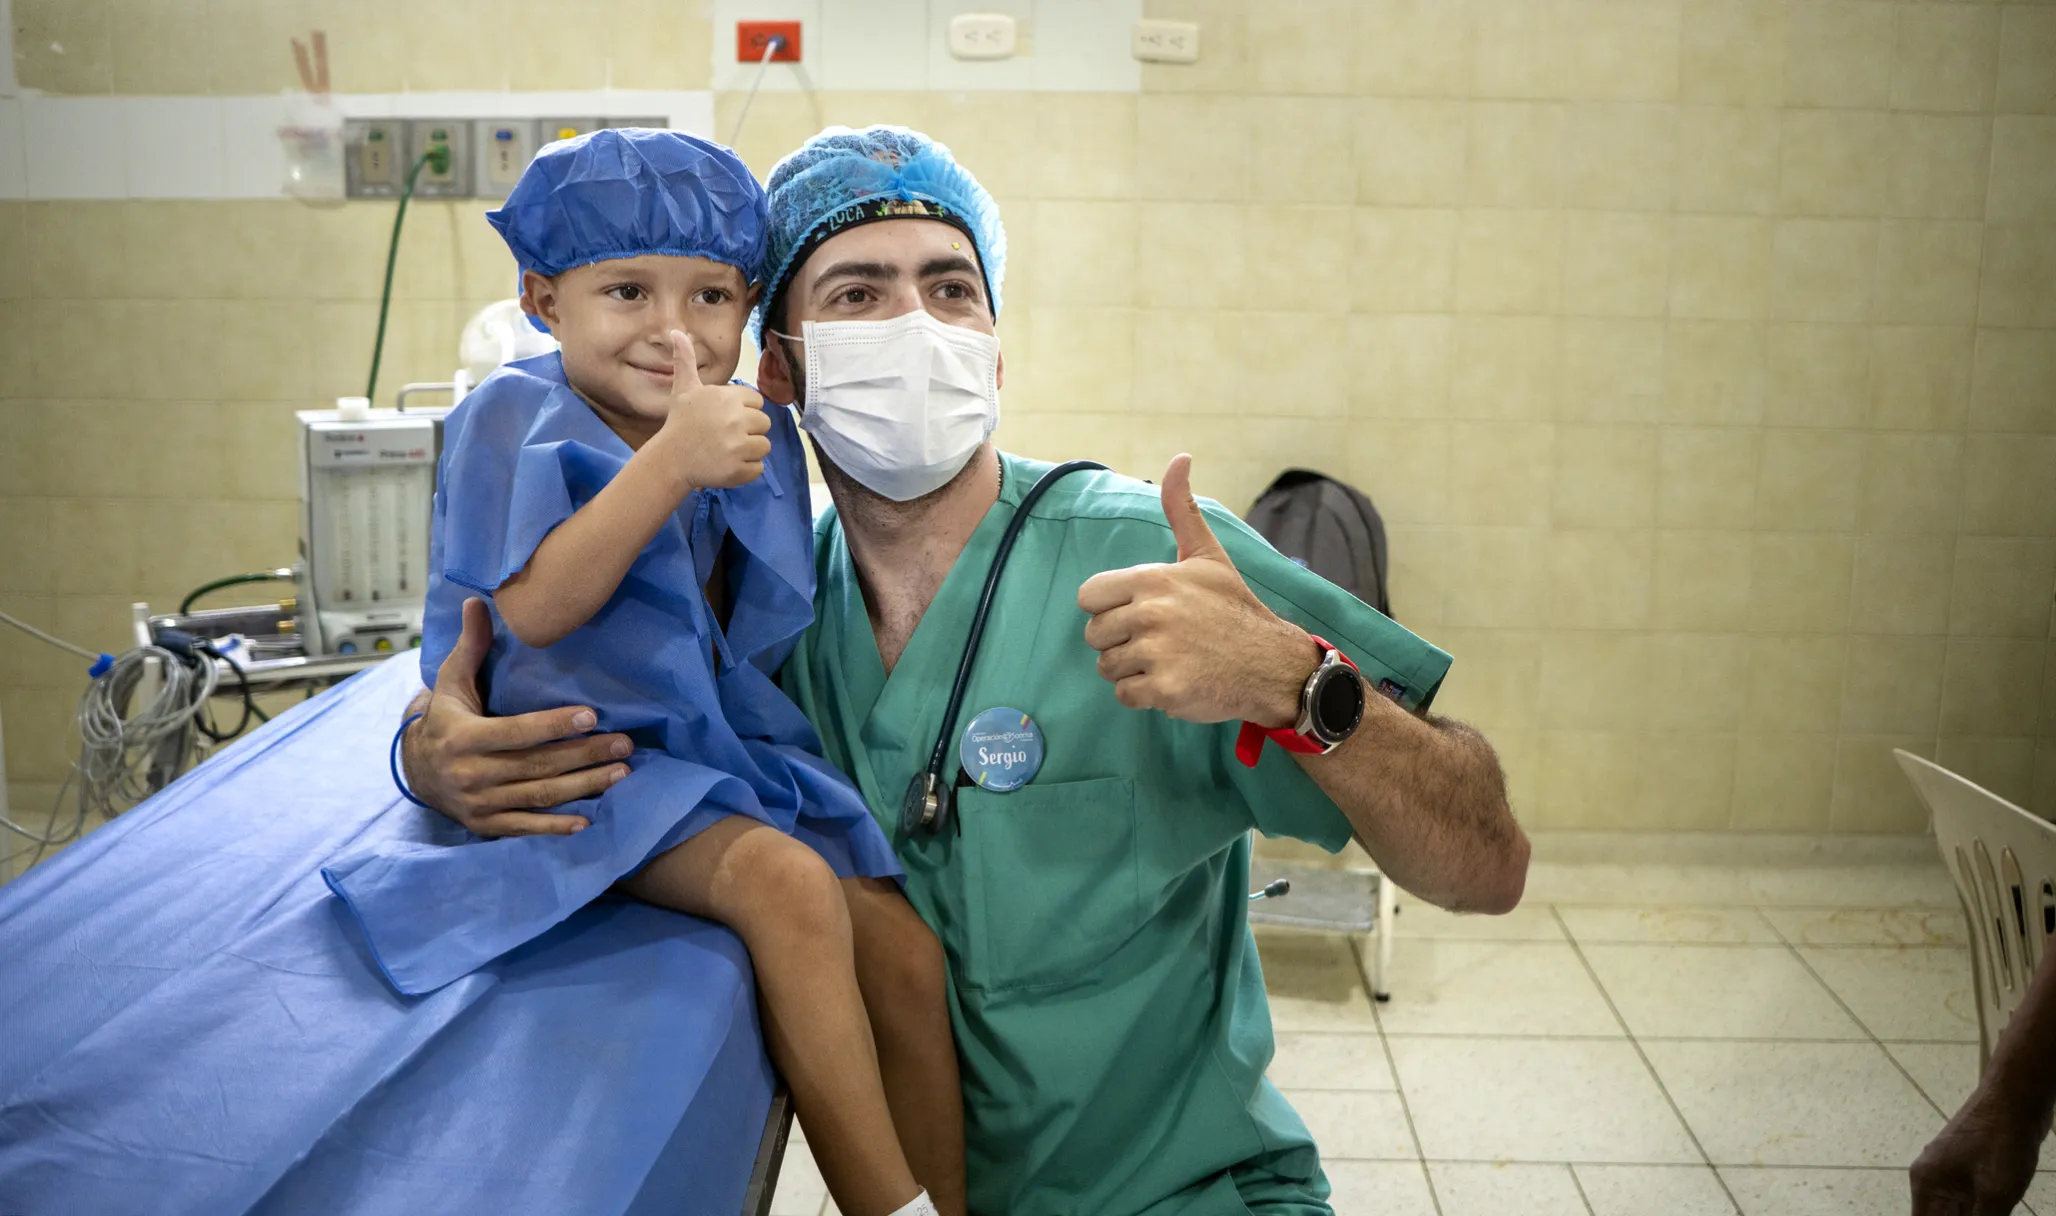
875	272
614	320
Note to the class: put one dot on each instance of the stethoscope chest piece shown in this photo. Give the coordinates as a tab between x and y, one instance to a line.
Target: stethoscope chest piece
926	808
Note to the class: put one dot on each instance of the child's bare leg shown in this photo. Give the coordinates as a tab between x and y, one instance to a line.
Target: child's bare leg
899	968
786	905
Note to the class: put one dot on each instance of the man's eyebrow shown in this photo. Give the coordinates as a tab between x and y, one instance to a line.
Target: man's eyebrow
879	272
954	263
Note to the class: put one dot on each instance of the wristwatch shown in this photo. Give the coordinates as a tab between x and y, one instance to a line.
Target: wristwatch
1331	705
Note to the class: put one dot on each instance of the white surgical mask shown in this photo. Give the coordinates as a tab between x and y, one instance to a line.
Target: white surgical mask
900	405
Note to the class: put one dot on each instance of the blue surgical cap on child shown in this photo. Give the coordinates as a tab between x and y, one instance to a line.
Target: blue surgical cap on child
622	193
842	178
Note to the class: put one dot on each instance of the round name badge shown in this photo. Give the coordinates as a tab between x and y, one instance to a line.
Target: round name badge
1002	750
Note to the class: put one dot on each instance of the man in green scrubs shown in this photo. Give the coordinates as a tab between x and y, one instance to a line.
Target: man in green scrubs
1107	1001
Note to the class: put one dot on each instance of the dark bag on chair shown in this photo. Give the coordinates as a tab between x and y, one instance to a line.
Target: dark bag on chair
1328	527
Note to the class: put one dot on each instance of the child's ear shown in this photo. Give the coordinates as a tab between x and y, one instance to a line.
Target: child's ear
539	297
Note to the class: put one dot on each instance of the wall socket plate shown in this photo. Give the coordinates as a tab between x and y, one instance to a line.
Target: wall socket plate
1157	41
505	146
373	151
550	130
454	181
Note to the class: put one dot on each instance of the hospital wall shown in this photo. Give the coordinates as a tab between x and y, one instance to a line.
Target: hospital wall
1700	354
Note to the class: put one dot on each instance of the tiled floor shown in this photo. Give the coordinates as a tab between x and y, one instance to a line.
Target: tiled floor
1596	1059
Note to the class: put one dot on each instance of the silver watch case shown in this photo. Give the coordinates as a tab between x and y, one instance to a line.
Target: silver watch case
1329	735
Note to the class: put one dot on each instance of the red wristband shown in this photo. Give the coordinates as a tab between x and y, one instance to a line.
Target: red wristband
1249	743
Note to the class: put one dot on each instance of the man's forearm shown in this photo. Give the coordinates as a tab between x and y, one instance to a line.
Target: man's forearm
2022	1074
1428	801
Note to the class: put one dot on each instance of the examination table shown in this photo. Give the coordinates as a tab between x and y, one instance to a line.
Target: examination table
188	1025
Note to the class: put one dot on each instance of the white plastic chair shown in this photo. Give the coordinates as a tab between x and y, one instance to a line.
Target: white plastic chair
2004	862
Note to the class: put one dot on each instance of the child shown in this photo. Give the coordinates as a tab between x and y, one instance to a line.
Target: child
640	527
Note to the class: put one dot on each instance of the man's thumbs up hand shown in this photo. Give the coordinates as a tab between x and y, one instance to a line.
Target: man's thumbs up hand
1189	637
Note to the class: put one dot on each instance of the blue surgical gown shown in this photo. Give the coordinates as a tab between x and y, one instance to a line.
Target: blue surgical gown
714	736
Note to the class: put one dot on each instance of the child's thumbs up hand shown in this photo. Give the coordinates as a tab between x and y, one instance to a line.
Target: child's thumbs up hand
723	426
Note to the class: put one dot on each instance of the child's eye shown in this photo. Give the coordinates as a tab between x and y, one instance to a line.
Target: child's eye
712	297
626	292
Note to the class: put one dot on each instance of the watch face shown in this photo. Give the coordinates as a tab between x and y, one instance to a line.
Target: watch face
1338	703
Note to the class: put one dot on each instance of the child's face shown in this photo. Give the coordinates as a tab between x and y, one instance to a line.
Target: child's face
614	318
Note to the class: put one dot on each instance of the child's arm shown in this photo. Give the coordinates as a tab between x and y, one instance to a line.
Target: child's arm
715	436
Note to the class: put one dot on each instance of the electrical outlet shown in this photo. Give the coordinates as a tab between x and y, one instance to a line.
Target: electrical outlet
1166	41
550	130
751	37
505	146
372	154
982	36
447	144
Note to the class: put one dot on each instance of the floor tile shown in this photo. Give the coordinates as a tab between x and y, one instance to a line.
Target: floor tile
1870	926
1818	1104
1510	1100
1355	1126
2041	1194
1902	992
1314	983
800	1189
1379	1188
1680	925
1648	885
1530	922
1647	1190
1945	1072
1497	1189
1722	992
1817	1192
1330	1061
1493	988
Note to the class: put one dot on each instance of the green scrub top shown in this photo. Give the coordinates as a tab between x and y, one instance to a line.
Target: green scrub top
1105	990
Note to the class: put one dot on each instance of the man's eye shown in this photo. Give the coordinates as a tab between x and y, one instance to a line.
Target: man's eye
956	291
852	295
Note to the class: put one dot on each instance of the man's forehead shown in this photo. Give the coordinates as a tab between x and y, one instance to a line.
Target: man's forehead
906	243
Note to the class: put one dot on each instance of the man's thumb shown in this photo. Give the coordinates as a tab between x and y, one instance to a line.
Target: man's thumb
458	676
685	361
1181	511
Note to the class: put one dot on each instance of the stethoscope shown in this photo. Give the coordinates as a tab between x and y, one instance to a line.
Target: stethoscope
929	804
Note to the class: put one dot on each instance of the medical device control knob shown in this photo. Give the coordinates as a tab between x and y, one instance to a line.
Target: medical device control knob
353	409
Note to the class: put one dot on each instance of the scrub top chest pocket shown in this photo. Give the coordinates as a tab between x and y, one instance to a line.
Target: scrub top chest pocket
1054	885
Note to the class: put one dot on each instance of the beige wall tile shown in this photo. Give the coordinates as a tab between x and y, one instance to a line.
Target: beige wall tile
247	50
2013	382
1301	350
2023	168
1621	50
18	359
1520	756
1833	162
572	56
1800	582
1685	782
102	542
1947	58
1514	154
74	250
1727	157
1992	686
1613	371
1412	48
37	746
178	353
651	48
1701	581
1187	361
1496	576
1500	473
1600	578
1871	793
2019	285
1223	65
1595	681
1419	574
1720	267
367	42
1922	380
1810	481
1083	358
69	340
1619	155
1500	678
28	663
1506	367
25	428
1706	477
1818	375
1084	254
471	44
1822	269
1893	685
1715	372
1191	255
1940	164
1405	260
2027	46
1734	52
1783	782
1605	477
1928	272
258	443
64	46
1902	584
1588	779
2003	587
1299	258
2044	801
1693	682
1509	261
1307	153
14	251
1615	264
27	556
1411	152
2006	485
1795	682
1191	147
1401	365
1516	49
1301	46
2006	767
1406	464
1912	483
1840	54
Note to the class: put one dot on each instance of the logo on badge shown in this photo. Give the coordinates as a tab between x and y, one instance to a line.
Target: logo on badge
1002	750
